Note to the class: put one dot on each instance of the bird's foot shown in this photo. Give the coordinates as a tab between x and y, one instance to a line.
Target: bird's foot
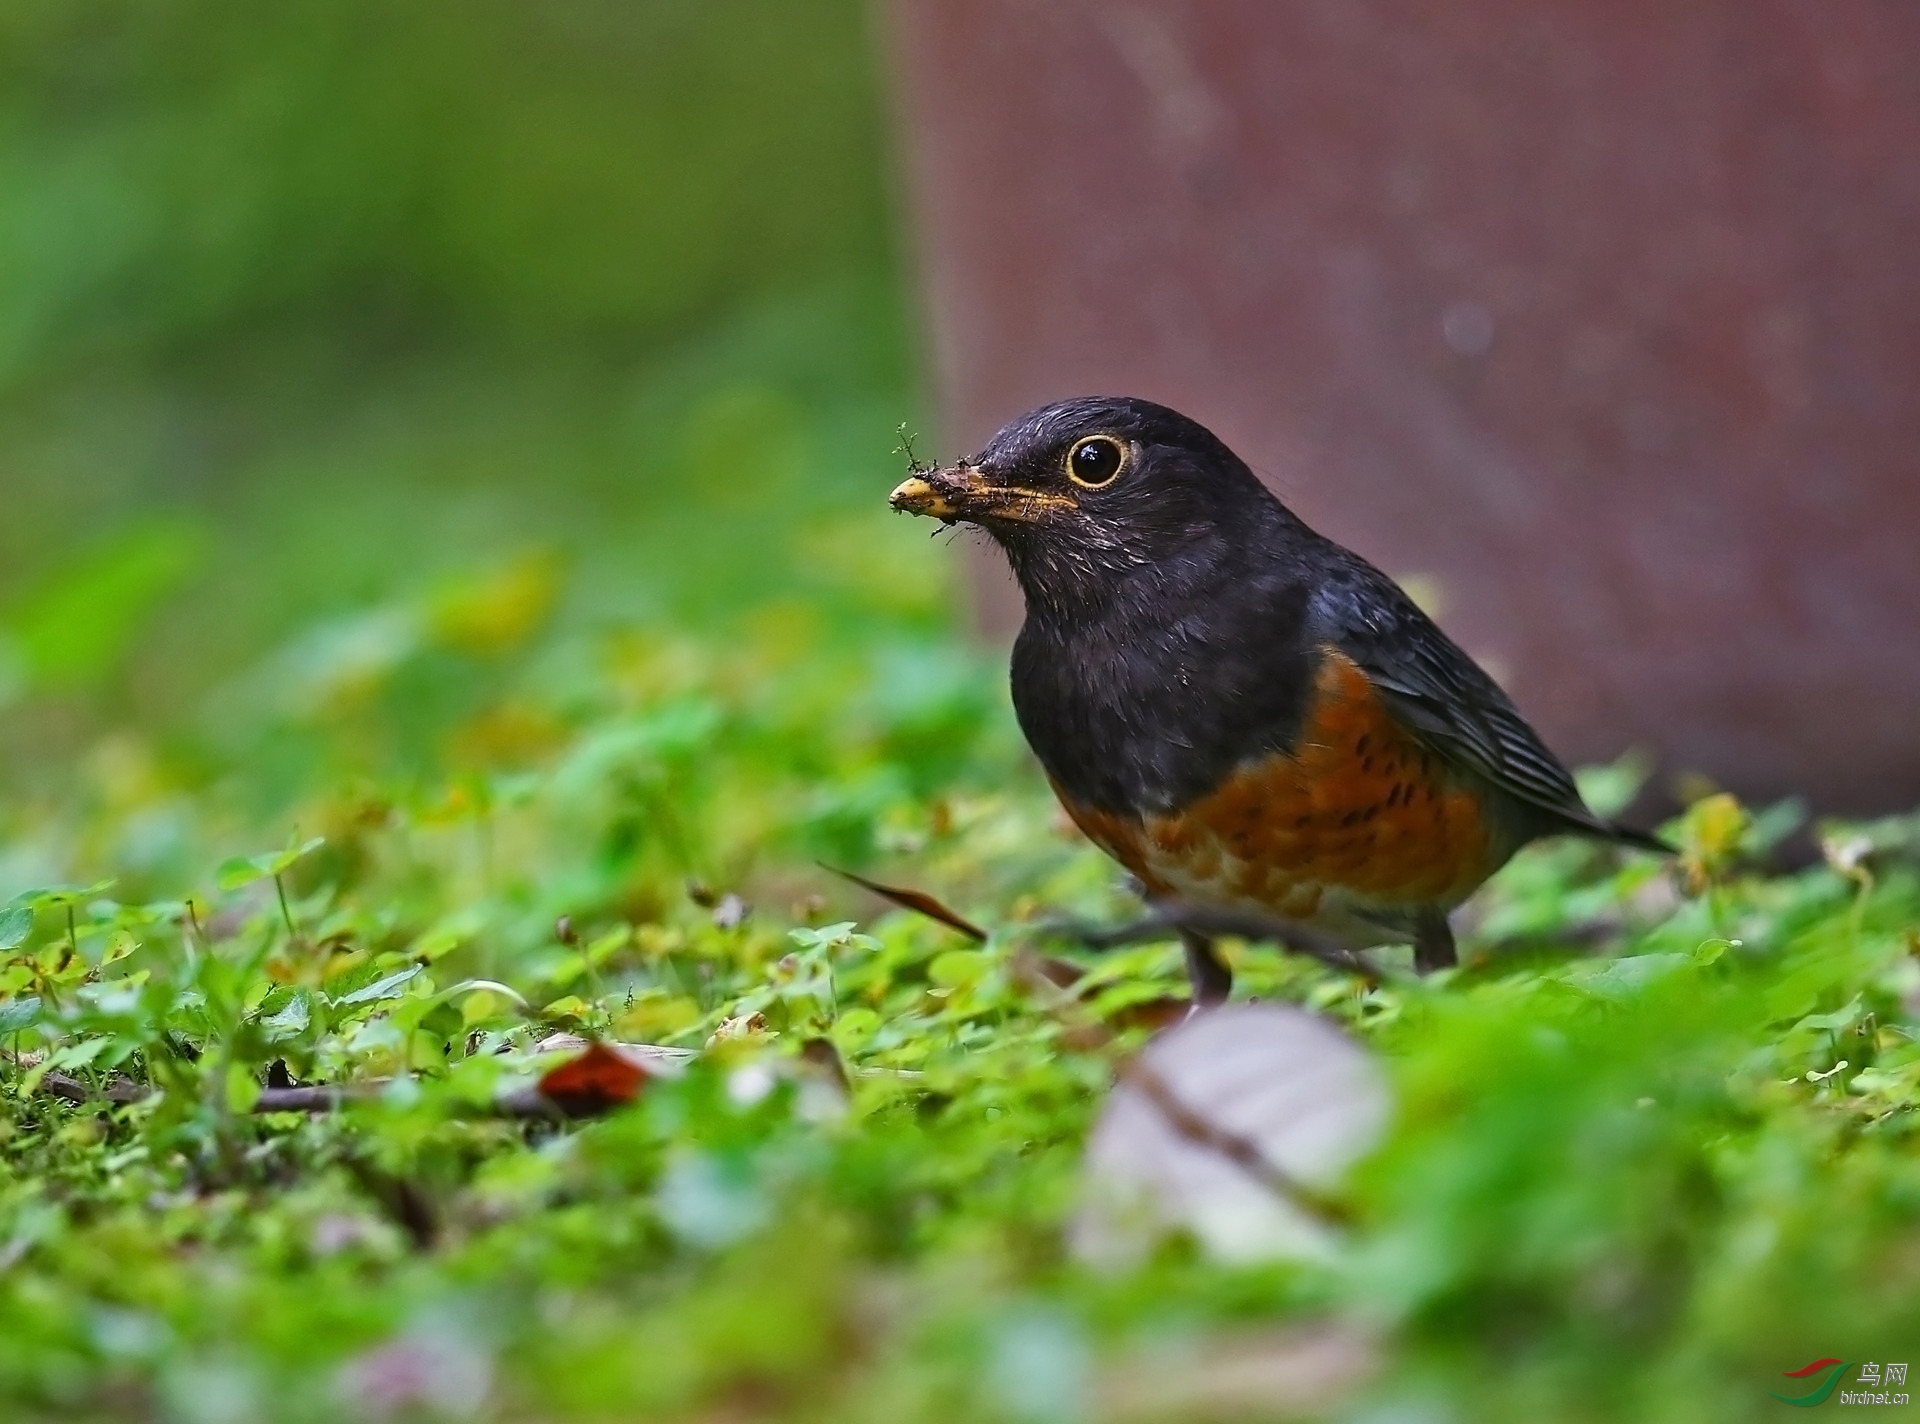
1205	923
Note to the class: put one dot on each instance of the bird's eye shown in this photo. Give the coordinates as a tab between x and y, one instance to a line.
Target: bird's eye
1095	461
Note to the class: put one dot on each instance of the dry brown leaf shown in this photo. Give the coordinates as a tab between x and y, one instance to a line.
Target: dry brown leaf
916	900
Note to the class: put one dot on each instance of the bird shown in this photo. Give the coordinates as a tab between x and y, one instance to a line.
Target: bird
1247	716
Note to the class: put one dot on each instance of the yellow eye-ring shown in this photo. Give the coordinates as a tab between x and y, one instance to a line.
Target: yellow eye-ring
1096	461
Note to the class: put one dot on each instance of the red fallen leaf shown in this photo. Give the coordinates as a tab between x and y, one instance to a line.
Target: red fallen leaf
599	1079
916	900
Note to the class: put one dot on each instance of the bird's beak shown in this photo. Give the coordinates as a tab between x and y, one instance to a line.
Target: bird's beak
963	491
918	496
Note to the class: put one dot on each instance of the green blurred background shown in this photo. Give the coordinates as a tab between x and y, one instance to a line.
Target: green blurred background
537	316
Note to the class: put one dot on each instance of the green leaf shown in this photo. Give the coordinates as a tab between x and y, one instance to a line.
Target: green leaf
387	988
20	1013
61	896
1709	951
78	1055
284	860
959	967
292	1019
245	869
16	923
438	942
243	1089
241	870
853	1028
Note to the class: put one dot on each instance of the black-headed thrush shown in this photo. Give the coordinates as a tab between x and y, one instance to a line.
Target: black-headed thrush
1244	714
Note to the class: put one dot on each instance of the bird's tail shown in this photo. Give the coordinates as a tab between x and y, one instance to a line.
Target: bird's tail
1599	828
1639	840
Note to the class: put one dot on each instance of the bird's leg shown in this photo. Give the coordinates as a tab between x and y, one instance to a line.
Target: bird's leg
1212	980
1433	943
1205	924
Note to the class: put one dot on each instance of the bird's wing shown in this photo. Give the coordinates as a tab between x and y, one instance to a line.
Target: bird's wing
1446	699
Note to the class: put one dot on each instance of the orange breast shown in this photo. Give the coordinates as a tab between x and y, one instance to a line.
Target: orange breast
1358	809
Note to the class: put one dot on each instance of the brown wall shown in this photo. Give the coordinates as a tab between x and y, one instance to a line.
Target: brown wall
1603	318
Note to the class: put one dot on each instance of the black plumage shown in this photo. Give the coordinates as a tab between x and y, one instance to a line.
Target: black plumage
1179	615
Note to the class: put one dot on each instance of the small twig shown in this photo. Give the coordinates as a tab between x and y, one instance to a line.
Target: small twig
280	889
119	1091
314	1097
197	936
914	465
1241	1151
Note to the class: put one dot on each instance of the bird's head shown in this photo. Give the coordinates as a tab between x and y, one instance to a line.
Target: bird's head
1084	492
